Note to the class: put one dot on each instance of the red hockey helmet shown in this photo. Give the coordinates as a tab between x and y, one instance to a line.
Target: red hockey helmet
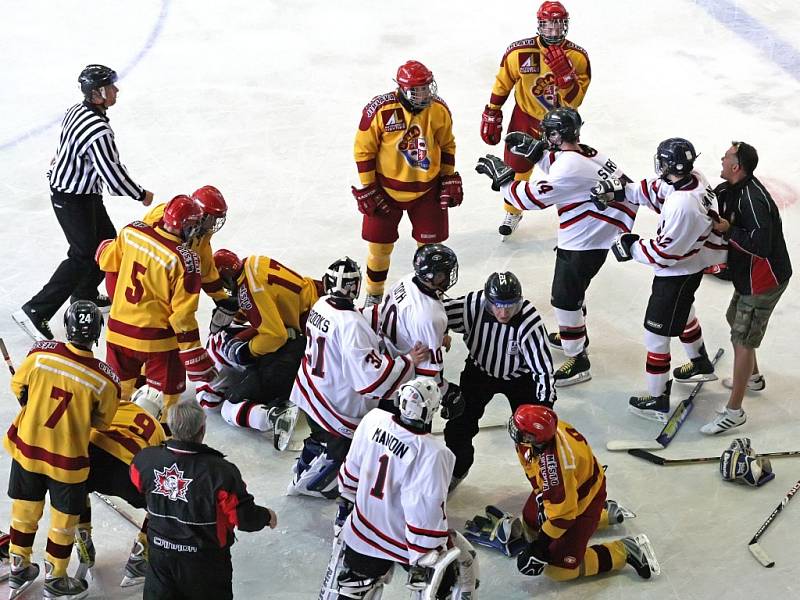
553	22
183	216
533	425
214	207
417	84
229	266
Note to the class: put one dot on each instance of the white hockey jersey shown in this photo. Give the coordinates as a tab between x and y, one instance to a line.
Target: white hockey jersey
398	480
685	241
343	374
409	315
570	175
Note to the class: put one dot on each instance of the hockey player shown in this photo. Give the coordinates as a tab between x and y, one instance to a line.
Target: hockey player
546	72
685	244
405	156
276	301
394	482
585	233
343	375
111	452
64	392
567	503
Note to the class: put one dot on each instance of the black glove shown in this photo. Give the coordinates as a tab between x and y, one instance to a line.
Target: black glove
452	402
496	169
622	246
607	190
534	558
526	146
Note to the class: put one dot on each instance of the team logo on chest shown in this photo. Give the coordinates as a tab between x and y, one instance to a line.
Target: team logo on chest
414	147
513	348
171	483
546	92
529	63
393	119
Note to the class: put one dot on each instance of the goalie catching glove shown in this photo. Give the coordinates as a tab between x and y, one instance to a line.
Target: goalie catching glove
735	465
494	168
496	529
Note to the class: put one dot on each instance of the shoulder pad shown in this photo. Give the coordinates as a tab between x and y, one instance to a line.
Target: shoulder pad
138	225
572	46
526	43
107	371
587	151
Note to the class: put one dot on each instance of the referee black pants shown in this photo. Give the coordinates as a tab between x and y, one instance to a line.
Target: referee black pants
478	389
85	223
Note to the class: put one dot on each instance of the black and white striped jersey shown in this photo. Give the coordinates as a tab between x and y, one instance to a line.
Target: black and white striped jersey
504	351
87	157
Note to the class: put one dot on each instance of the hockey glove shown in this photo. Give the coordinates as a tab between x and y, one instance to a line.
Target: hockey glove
622	246
498	530
451	192
370	200
452	402
743	446
237	352
560	65
737	466
533	559
345	507
491	125
223	314
607	190
496	169
525	145
198	364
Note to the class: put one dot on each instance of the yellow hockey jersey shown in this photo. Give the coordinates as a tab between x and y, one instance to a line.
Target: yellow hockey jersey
68	392
404	152
274	298
132	429
567	475
523	70
211	281
156	295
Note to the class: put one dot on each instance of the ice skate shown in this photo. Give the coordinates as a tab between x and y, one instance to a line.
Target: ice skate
641	556
5	564
696	370
649	407
21	576
756	383
725	420
32	323
64	587
574	370
136	567
510	224
554	339
283	418
455	482
617	513
86	553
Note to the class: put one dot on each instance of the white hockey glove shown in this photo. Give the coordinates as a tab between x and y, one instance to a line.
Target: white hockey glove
419	574
223	314
607	190
237	352
622	246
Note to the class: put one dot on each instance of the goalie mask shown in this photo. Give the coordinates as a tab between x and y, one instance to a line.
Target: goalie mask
674	156
553	20
343	279
416	84
419	400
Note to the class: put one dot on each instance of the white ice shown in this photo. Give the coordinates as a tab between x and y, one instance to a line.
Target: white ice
262	99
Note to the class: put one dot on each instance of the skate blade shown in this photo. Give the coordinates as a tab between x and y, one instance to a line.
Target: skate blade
583	377
17	592
24	323
625	512
83	570
650	554
130	581
283	428
650	415
698	378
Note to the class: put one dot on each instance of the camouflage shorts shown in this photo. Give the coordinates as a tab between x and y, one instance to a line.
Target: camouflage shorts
748	316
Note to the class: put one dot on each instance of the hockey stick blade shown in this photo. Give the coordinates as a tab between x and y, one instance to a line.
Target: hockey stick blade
7	356
617	445
758	552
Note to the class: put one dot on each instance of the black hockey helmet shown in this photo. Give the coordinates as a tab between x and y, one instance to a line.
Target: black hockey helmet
343	279
83	322
566	122
436	265
96	76
674	156
503	289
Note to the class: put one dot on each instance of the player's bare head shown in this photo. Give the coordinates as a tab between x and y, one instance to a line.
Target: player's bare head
416	85
230	267
343	279
436	266
97	84
183	217
419	400
560	126
503	294
83	322
533	425
674	159
214	207
187	421
553	21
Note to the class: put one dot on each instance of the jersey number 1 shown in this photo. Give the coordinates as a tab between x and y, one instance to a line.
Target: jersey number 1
380	480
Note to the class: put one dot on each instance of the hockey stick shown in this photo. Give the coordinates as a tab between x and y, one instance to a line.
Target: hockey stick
676	419
6	356
118	510
668	462
754	547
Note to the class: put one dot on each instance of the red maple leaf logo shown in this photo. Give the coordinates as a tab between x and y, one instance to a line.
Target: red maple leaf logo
171	483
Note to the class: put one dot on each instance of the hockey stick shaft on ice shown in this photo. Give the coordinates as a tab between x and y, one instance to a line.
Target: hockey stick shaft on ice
667	462
755	548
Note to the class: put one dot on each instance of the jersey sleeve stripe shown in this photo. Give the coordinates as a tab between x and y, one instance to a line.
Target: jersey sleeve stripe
428	532
377	546
377	531
365	166
422	549
381	378
346	486
321	399
400	378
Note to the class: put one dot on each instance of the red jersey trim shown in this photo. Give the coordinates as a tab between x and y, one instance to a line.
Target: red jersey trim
140	333
68	463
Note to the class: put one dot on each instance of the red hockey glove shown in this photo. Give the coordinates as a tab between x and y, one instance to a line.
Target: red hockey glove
198	364
491	125
451	192
560	65
370	200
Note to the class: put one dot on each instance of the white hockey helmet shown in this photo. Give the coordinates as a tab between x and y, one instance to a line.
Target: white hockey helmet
149	399
420	398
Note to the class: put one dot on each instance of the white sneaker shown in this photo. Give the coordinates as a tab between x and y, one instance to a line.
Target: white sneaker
756	383
723	422
510	224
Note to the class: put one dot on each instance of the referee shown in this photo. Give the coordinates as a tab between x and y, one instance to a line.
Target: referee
86	158
508	354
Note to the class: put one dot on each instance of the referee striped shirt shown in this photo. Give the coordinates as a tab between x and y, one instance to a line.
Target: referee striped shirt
87	157
504	351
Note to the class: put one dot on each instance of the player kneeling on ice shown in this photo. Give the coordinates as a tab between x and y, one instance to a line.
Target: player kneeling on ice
393	508
568	503
343	375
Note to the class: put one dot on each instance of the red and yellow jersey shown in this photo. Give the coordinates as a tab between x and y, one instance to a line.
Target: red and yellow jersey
567	475
132	429
156	296
523	70
211	281
274	298
68	392
404	152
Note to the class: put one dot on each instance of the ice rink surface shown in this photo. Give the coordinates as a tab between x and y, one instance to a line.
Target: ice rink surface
262	100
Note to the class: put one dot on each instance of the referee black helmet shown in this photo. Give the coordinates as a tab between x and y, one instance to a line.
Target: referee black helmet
96	76
503	289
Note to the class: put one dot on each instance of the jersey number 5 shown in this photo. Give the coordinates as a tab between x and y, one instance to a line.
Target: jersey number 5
135	293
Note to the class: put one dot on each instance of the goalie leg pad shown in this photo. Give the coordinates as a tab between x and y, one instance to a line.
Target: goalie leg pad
315	473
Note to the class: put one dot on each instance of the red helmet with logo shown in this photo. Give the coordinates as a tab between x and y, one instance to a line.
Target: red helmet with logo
229	266
183	216
533	425
553	22
214	206
417	84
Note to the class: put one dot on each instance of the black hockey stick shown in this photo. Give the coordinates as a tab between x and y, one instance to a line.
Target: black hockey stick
676	419
668	462
754	547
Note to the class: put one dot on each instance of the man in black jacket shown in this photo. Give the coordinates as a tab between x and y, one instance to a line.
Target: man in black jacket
195	498
759	266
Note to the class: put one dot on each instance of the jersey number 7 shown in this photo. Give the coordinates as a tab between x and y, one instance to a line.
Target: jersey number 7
64	397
